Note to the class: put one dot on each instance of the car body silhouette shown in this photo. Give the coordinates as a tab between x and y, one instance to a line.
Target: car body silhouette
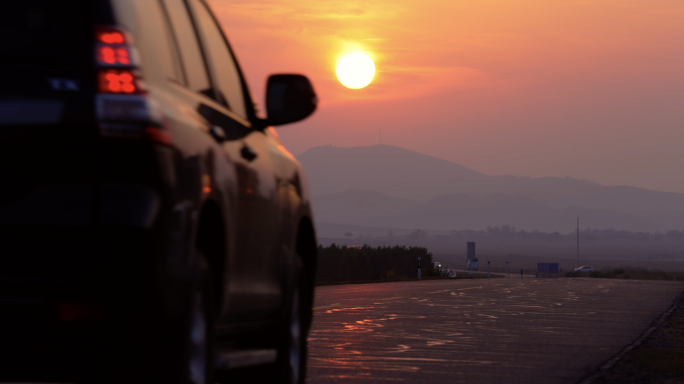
154	228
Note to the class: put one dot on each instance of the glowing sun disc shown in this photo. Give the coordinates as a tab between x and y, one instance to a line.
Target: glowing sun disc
355	70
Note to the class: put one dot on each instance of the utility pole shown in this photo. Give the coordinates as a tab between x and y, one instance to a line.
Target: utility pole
578	242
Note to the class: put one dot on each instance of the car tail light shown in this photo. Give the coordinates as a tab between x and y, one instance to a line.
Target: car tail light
114	47
113	55
111	36
118	81
124	108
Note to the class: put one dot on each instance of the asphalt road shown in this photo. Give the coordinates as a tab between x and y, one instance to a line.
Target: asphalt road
480	330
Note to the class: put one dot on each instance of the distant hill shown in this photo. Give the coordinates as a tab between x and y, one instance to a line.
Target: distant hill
460	211
402	173
354	206
391	170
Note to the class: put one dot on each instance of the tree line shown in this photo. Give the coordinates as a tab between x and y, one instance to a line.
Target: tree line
348	264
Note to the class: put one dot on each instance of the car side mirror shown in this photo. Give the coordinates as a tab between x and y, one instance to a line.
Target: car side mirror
289	98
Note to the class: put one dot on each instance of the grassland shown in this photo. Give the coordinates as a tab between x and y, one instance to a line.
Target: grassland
633	273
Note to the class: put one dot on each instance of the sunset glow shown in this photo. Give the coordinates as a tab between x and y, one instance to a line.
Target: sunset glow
494	85
355	70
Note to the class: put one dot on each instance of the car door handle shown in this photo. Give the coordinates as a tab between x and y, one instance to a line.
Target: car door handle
217	133
248	153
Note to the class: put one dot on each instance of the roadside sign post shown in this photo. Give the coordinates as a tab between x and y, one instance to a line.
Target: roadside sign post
508	269
419	269
488	270
521	273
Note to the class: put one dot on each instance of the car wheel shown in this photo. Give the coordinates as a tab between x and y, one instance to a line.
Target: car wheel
200	333
292	350
295	354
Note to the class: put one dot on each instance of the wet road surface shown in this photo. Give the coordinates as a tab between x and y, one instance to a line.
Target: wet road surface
480	330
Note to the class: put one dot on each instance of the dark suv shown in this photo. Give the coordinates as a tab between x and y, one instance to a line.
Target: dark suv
153	227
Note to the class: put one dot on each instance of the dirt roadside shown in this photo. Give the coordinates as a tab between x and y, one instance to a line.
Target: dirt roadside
658	359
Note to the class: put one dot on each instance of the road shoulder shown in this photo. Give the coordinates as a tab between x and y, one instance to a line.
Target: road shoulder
658	359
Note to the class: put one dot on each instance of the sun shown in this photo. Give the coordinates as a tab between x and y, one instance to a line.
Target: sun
355	70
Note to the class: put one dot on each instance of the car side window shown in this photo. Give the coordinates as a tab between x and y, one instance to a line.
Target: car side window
188	45
224	69
174	70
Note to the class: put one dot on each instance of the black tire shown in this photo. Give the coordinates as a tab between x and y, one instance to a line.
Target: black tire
292	348
201	330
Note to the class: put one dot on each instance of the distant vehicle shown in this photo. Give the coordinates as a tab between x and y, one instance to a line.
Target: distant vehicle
154	229
443	271
584	269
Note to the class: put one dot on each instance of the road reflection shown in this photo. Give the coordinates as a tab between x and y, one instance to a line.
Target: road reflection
495	330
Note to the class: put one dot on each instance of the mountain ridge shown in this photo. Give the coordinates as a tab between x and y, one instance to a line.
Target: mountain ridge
406	174
461	211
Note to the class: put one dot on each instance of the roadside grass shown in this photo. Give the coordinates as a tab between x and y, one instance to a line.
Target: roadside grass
630	273
514	270
475	275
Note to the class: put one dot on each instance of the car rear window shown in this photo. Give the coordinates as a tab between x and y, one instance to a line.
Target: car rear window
46	32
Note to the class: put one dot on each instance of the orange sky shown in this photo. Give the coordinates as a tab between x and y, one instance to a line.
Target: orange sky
590	89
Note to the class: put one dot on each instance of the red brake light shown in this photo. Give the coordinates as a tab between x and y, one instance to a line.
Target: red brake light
110	37
106	55
118	81
113	47
124	108
122	56
113	56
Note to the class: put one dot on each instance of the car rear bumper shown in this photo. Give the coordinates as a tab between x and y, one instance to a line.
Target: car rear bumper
70	230
83	205
125	341
88	285
122	324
